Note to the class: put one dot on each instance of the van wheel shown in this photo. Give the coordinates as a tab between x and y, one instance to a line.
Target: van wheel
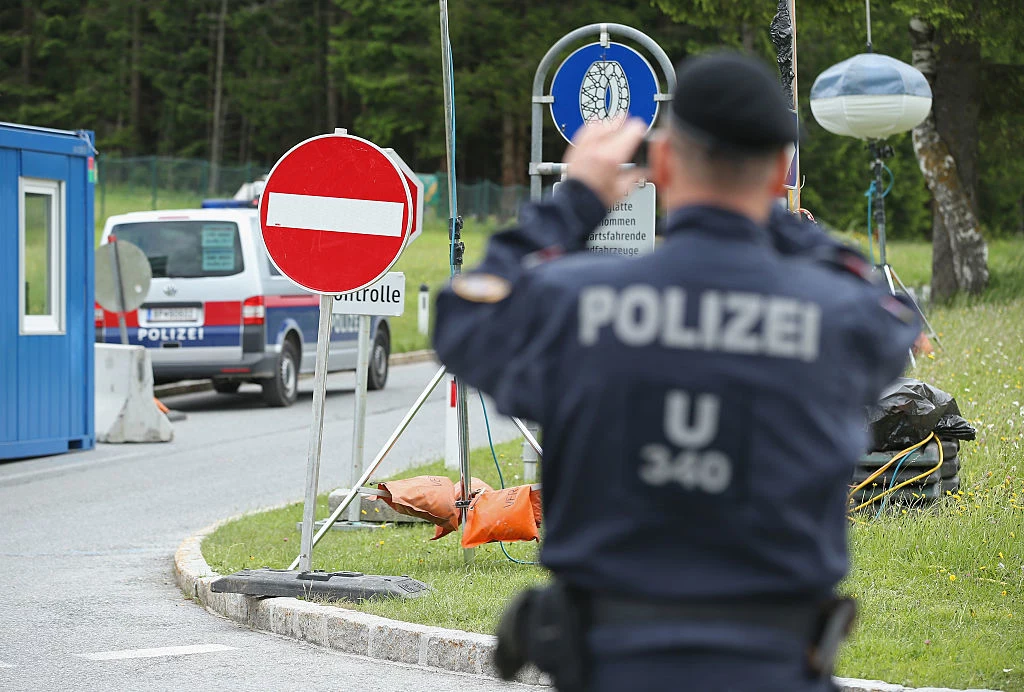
379	354
226	386
283	388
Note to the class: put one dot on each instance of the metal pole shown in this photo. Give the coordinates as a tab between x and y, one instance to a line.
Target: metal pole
532	451
796	109
879	204
354	490
528	436
316	434
122	326
867	11
465	479
899	282
359	418
887	271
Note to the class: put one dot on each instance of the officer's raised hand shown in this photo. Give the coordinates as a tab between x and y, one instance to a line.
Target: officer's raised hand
598	152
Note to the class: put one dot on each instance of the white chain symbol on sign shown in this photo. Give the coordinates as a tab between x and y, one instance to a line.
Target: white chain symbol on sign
604	92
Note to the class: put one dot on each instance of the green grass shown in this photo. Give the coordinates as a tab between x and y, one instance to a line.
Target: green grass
118	199
942	589
465	597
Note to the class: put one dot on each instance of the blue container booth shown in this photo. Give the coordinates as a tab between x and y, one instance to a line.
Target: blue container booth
47	179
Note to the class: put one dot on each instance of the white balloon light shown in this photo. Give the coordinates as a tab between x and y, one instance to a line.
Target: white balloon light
870	96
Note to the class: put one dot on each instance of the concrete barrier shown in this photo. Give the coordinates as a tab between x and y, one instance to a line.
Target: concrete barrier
125	410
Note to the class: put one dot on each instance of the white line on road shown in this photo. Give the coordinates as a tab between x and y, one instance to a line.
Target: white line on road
6	665
336	214
159	651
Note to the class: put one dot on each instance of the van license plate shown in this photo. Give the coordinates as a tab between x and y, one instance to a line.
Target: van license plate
173	314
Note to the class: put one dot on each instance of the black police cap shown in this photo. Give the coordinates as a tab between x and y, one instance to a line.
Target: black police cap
732	103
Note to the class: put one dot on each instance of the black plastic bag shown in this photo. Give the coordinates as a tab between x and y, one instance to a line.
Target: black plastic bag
909	410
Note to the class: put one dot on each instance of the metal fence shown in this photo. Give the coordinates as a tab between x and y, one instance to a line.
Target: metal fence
160	182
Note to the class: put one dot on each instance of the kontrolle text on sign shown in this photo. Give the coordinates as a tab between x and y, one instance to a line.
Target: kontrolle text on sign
386	297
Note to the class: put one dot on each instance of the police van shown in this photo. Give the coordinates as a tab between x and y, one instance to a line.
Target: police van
217	307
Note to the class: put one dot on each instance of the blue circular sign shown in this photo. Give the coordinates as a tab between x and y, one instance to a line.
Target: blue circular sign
601	82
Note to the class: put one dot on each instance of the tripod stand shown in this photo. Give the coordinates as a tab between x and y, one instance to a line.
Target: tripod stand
876	199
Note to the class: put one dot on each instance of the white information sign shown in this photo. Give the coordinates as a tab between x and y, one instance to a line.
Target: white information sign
628	229
386	297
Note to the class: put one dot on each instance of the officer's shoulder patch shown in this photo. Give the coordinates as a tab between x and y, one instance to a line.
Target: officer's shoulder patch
848	261
481	288
897	309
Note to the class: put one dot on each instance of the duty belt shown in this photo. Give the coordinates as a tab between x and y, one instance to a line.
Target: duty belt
548	626
799	618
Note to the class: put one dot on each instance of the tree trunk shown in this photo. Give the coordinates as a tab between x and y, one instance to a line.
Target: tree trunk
216	139
136	76
27	21
332	88
959	253
509	174
747	37
320	56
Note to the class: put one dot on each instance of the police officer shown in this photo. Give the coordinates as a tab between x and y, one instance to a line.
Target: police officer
702	405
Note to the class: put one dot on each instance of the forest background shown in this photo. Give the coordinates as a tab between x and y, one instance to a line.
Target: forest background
242	81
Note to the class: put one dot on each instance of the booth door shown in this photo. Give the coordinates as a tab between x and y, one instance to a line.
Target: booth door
43	315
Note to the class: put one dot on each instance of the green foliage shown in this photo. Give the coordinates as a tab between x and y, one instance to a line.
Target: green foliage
296	68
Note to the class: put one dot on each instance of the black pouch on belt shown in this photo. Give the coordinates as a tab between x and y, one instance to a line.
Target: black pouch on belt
547	627
834	625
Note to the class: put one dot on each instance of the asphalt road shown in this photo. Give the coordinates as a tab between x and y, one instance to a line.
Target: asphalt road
87	539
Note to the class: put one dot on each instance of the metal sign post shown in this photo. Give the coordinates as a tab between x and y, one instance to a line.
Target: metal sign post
316	432
122	325
359	419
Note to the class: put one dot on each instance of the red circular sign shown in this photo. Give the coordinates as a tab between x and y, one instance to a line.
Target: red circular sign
336	213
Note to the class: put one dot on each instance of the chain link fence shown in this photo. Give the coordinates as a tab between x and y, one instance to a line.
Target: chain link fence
159	182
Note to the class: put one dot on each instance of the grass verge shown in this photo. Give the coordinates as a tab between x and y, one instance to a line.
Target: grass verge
464	597
941	589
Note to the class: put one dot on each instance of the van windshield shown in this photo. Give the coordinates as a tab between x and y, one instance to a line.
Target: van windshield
186	249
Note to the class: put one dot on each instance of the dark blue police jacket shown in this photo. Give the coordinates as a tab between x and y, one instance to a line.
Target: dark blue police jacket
702	405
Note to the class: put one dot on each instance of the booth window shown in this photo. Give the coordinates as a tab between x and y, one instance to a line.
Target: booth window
41	246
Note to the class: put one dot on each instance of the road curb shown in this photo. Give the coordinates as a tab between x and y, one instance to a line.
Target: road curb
195	386
348	631
355	632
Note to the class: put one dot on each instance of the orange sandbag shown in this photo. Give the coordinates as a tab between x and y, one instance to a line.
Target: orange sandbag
476	486
535	502
923	345
428	497
501	515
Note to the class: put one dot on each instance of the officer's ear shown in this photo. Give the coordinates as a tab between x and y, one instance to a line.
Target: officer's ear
659	161
780	171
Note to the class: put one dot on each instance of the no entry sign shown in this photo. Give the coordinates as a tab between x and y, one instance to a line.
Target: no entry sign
336	213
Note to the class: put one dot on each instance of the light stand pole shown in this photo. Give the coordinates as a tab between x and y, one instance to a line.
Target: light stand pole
880	151
457	251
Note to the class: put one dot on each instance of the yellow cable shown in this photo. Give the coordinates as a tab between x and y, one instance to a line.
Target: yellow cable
887	464
906	483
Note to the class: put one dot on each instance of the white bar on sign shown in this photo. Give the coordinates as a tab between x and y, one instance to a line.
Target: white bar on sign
157	652
335	214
